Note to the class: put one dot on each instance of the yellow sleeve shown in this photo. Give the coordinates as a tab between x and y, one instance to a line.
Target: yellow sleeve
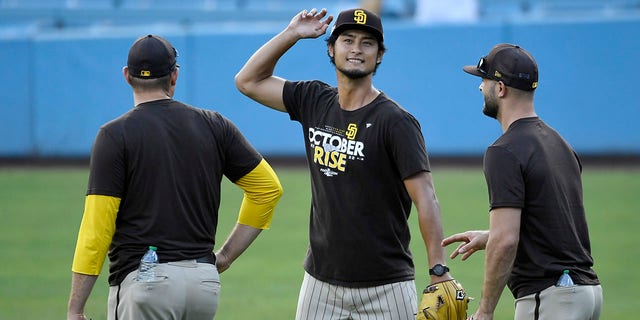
262	191
96	232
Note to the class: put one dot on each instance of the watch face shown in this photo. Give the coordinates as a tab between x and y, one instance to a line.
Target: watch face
438	270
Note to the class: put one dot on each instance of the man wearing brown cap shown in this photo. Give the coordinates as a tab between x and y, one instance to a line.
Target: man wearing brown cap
538	229
154	180
368	164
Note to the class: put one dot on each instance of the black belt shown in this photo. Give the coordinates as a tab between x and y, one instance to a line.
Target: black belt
210	258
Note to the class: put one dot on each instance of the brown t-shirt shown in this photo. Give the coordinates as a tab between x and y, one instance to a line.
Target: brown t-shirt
359	235
533	168
166	160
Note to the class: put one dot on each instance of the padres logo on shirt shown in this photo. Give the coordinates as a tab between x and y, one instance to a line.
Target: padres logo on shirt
360	17
352	129
333	147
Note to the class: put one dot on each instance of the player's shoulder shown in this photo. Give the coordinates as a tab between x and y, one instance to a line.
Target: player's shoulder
310	86
207	112
118	122
392	108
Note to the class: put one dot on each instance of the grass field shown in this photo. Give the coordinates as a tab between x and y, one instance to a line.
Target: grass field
41	210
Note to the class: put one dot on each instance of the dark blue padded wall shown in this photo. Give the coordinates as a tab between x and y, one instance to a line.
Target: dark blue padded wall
16	108
60	88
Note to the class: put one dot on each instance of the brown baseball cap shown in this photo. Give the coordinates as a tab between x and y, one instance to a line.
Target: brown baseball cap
358	19
151	57
509	63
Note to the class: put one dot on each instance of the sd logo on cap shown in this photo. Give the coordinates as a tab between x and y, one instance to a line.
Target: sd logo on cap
358	19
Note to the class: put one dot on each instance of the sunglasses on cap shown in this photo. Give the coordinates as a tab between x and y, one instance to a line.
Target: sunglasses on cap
480	67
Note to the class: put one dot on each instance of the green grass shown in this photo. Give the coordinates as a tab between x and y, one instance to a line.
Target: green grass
41	210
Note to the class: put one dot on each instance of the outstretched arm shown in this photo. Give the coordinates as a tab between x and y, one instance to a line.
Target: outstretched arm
256	79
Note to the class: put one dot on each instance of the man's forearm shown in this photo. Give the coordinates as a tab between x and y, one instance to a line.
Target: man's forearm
262	63
81	286
502	246
238	241
498	264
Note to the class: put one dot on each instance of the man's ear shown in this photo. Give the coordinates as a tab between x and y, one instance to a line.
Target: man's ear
174	76
502	89
379	58
125	73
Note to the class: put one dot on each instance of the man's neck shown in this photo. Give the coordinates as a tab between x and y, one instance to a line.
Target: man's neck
142	97
515	111
353	95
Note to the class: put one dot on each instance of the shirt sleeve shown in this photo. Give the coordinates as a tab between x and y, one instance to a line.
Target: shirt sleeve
240	156
107	169
505	182
95	235
408	147
262	191
307	99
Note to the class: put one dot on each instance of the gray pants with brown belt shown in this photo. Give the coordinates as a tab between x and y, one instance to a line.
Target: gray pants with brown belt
182	290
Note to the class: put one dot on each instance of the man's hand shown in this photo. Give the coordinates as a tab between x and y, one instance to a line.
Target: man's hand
472	241
309	24
222	262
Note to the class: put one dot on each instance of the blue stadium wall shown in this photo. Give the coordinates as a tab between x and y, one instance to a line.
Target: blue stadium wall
59	87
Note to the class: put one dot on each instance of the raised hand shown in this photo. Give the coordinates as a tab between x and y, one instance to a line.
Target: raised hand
309	24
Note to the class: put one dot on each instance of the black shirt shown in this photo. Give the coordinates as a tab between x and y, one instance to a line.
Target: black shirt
533	168
166	160
359	235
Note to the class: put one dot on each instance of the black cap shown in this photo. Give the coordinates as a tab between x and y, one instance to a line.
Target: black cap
358	19
151	57
508	63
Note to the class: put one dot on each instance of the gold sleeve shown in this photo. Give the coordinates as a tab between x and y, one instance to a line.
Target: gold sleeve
96	232
262	191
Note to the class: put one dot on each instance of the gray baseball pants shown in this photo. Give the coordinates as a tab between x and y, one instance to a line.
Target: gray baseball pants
319	300
182	290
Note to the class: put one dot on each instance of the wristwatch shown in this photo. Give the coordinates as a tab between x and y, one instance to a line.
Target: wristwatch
438	270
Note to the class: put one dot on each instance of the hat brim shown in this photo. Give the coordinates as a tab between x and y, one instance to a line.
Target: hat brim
473	70
351	26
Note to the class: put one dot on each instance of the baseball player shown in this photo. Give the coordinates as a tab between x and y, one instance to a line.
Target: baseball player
154	180
538	227
368	164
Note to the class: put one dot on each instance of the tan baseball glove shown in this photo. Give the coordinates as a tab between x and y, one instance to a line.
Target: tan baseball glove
443	301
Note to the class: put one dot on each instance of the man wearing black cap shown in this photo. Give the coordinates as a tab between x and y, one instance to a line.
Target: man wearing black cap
538	227
154	180
368	163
